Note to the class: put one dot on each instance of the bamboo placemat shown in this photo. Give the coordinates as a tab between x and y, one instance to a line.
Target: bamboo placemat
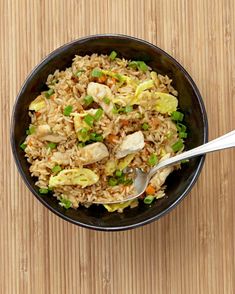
190	250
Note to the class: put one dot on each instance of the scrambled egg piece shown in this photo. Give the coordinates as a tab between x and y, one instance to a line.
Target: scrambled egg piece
130	144
78	176
110	167
44	133
124	162
113	164
166	103
99	92
117	76
37	104
144	86
120	206
93	152
80	124
159	179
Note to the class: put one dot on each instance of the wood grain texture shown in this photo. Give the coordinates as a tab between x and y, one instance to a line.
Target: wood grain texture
191	250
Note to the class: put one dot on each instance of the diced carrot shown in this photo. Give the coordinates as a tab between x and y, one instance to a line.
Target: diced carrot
52	97
112	138
155	122
110	82
124	122
150	190
102	79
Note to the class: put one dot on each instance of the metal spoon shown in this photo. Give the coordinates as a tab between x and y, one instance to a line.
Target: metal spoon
142	179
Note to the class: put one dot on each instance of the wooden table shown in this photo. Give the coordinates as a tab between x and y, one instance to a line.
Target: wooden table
190	250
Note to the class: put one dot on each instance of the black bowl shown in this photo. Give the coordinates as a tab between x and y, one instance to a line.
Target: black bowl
179	183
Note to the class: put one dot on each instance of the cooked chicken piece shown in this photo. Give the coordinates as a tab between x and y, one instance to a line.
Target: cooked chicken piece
131	143
53	138
43	130
78	119
45	134
159	179
61	158
38	103
99	92
93	153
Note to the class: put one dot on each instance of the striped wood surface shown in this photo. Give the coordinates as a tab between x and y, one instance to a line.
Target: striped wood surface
189	251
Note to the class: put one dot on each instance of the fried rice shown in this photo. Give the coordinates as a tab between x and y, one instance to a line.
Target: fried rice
98	117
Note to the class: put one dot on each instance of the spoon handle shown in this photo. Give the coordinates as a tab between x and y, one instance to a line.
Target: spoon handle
223	142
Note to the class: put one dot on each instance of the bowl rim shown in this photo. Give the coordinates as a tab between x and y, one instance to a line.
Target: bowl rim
109	36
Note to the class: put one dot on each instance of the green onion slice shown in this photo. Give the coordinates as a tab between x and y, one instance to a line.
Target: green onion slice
106	100
88	100
96	73
79	72
145	126
149	199
112	182
51	145
113	55
128	182
81	144
98	114
128	108
177	146
177	116
31	130
141	65
68	109
43	191
118	173
56	169
89	119
96	137
183	135
153	159
66	203
23	146
180	127
184	161
49	93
